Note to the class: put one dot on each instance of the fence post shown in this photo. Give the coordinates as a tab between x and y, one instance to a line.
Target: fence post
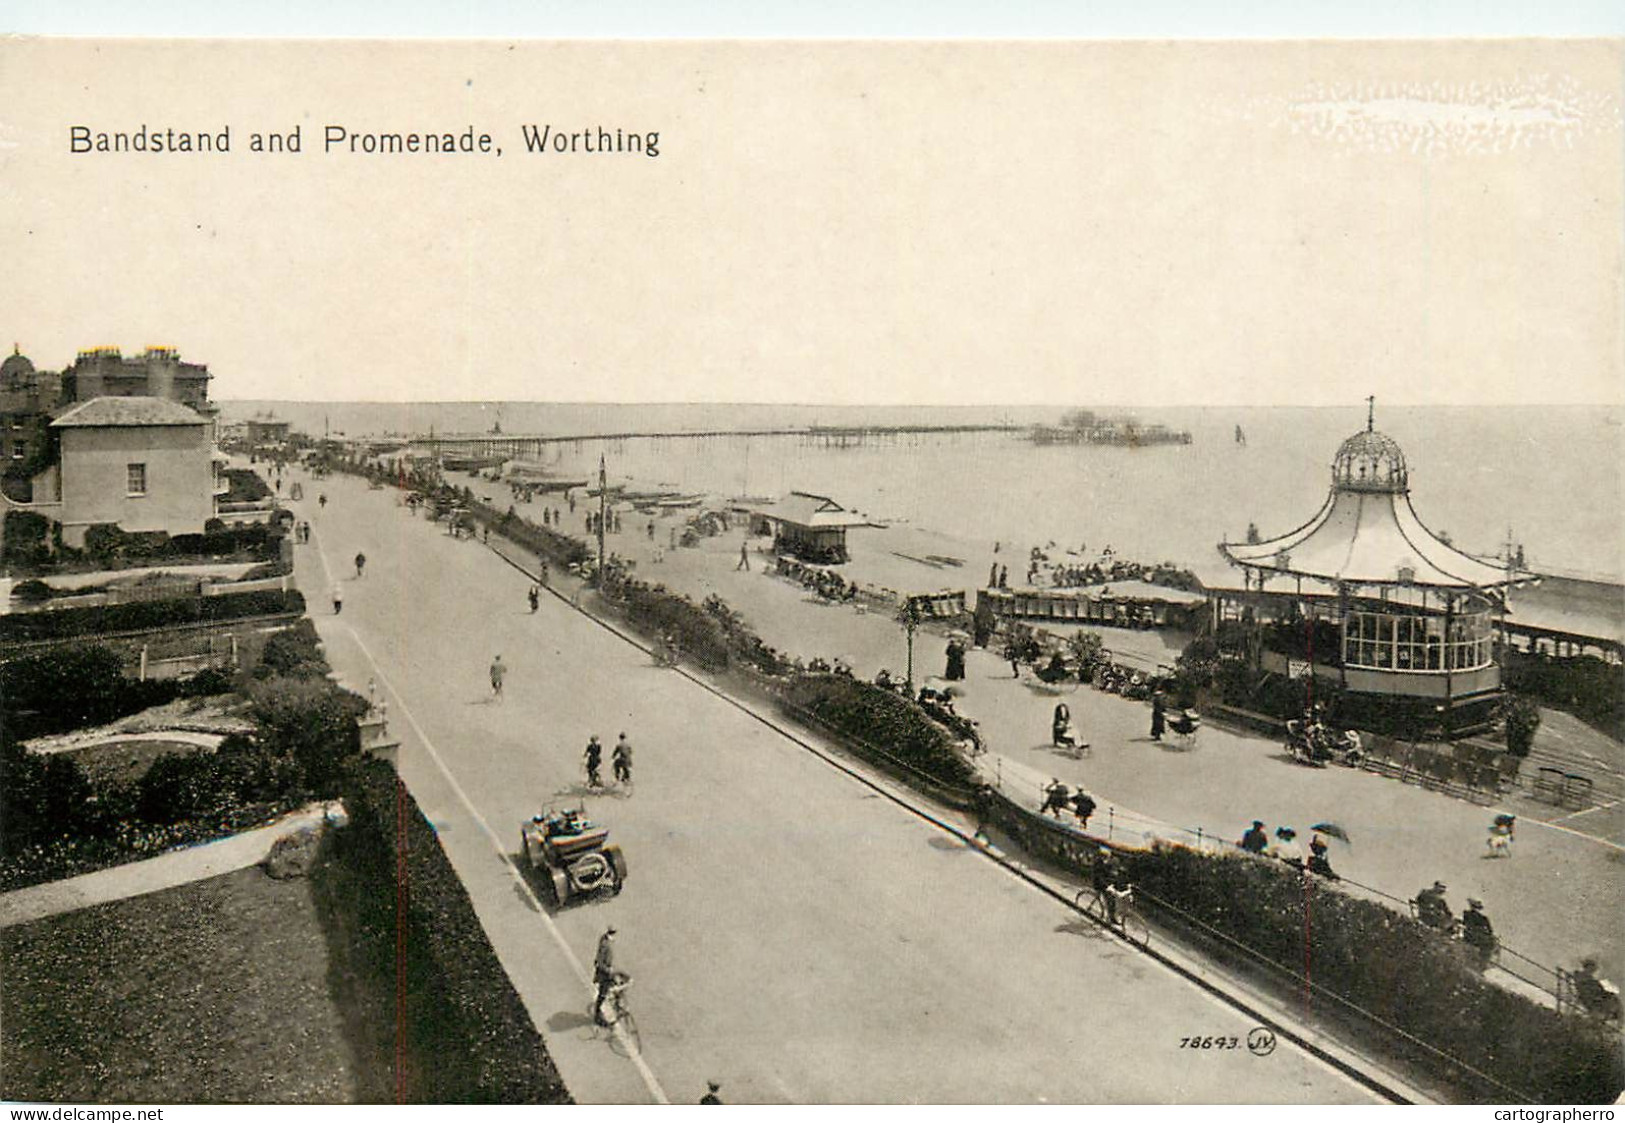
1111	822
234	648
143	672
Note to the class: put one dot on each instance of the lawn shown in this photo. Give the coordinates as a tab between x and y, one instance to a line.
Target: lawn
214	992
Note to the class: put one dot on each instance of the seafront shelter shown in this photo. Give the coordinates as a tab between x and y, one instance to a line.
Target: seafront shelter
1366	597
810	527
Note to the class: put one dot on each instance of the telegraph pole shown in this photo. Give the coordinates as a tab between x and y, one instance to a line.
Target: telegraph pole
603	504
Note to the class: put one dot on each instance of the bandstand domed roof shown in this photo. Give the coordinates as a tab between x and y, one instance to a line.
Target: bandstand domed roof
1367	532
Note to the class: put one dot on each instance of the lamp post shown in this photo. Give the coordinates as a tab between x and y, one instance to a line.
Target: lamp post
908	615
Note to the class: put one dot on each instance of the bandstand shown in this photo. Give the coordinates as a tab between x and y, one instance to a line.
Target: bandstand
1363	595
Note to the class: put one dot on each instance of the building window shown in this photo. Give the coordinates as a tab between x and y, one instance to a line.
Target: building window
18	449
136	479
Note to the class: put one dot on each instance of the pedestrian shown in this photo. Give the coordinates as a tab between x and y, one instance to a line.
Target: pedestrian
499	671
1159	716
486	530
651	530
621	760
541	574
594	756
547	517
1286	847
1083	806
1318	862
955	671
711	1096
1012	652
338	599
744	558
993	576
1004	577
535	595
321	500
1055	797
1255	841
360	564
603	973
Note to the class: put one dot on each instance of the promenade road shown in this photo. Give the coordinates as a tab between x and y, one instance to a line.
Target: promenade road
793	934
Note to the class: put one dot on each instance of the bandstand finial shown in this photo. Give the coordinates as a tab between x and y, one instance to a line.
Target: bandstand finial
1370	412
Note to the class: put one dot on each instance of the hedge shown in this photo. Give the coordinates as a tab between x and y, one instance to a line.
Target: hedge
1586	686
469	1038
656	611
74	687
137	615
1389	965
881	720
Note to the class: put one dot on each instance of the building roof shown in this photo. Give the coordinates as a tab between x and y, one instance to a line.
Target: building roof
139	411
803	508
1367	532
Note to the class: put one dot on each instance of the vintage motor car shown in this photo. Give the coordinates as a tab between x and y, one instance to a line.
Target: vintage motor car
574	853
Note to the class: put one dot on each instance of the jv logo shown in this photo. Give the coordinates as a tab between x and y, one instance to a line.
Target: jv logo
1260	1041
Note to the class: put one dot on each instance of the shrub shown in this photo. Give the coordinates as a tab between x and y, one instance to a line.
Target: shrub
1522	718
102	541
25	540
32	591
42	798
311	721
70	688
880	720
293	653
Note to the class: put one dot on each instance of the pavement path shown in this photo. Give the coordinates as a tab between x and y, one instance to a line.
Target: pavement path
793	933
177	867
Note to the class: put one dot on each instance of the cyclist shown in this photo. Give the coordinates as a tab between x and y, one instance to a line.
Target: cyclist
604	973
1103	877
621	760
594	757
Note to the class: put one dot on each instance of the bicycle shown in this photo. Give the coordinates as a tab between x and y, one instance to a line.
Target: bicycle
1119	914
622	1026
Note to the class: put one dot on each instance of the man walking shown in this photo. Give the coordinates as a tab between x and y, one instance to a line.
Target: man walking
360	564
621	760
338	599
499	671
744	558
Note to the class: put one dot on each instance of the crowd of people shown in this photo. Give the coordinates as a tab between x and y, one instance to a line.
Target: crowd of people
826	583
1063	573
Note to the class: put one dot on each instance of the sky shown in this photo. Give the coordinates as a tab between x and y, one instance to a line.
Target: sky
974	223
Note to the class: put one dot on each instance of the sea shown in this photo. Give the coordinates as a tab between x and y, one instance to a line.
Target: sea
1548	478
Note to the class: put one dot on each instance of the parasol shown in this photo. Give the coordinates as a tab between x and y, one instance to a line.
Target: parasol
1334	831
